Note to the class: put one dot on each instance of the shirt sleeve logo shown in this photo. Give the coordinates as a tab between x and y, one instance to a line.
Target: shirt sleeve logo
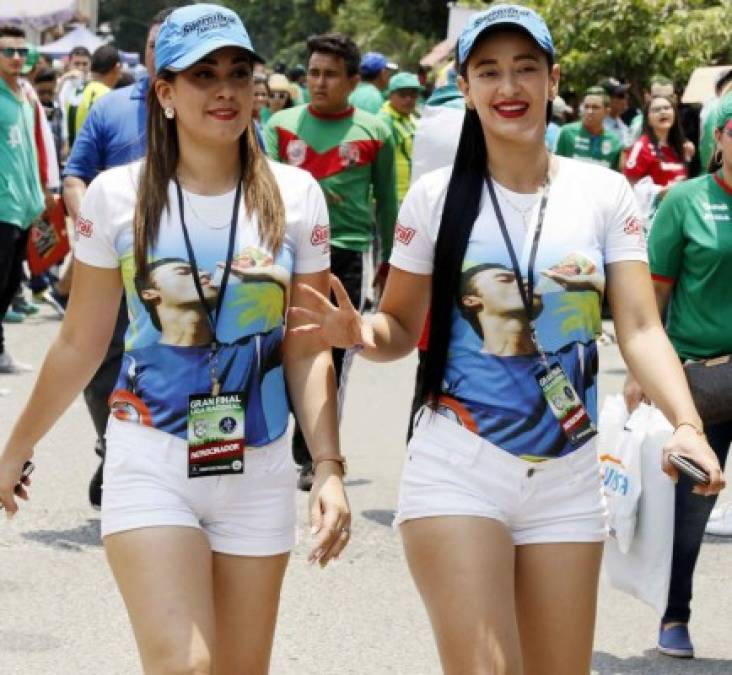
320	235
404	235
84	227
633	226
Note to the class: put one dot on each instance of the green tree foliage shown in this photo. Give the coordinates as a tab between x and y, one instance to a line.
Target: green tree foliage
630	39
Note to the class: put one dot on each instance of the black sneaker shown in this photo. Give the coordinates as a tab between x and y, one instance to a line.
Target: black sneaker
307	475
95	487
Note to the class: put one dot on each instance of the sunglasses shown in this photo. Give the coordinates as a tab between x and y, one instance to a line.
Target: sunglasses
9	52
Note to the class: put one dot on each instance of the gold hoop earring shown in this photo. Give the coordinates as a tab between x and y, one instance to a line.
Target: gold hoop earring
169	112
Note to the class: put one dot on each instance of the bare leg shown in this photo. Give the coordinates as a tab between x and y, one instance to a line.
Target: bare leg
464	570
247	596
165	577
556	599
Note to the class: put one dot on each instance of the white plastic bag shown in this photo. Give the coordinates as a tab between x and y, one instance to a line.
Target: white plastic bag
619	450
645	570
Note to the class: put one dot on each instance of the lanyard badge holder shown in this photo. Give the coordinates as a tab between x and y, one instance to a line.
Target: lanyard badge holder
556	387
215	418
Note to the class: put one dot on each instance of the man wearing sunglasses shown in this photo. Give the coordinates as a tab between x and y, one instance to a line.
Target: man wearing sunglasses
21	194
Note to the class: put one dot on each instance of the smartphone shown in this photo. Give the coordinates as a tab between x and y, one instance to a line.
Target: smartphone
26	471
690	468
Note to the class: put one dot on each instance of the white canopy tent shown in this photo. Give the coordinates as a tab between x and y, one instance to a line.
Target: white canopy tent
81	36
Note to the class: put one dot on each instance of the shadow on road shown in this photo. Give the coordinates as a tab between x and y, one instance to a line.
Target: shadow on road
69	540
653	663
380	516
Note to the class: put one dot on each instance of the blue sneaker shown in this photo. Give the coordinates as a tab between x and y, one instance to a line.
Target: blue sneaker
674	640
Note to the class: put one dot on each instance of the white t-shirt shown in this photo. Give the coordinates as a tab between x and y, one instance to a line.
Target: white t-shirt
161	366
490	385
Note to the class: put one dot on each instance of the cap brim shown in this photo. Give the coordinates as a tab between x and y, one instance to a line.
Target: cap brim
506	24
205	49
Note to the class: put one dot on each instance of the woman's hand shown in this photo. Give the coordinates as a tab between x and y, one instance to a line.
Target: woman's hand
11	483
688	443
330	515
633	394
340	325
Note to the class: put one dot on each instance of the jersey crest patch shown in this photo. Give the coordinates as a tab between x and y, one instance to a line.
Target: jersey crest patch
404	235
296	152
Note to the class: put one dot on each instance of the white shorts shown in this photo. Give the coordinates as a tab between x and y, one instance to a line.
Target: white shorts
146	484
450	471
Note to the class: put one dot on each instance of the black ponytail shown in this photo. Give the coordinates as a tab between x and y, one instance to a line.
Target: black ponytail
461	209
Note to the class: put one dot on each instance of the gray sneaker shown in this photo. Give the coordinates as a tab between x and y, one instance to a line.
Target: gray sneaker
8	365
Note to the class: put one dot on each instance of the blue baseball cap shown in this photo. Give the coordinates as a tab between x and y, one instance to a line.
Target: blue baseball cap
372	63
192	32
505	15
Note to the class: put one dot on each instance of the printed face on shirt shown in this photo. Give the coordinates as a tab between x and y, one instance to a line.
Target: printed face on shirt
170	292
10	66
329	83
213	98
509	84
494	290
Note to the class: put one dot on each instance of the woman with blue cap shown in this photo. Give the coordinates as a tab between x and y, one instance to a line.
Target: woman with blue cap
500	504
209	241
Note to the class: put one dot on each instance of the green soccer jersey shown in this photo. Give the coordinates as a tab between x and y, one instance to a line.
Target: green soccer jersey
690	245
21	195
351	155
575	141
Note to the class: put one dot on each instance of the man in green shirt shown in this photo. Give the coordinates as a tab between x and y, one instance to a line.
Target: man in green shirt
21	194
351	154
375	72
588	140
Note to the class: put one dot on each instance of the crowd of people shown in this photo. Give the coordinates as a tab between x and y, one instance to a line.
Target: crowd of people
230	227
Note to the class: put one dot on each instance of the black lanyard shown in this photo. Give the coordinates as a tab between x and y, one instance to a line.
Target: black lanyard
527	295
194	267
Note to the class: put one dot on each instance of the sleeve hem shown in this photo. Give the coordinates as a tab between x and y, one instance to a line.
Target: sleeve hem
410	264
311	266
106	263
626	256
663	278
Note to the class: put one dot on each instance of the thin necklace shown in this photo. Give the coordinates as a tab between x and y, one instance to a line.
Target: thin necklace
203	221
524	213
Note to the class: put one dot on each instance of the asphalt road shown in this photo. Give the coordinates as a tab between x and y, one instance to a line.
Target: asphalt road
60	613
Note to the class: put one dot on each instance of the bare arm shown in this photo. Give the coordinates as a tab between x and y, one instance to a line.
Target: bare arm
74	190
311	383
653	361
70	363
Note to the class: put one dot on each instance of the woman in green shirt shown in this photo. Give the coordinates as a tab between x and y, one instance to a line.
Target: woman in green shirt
690	252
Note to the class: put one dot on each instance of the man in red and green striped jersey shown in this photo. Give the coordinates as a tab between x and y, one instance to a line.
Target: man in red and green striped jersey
350	153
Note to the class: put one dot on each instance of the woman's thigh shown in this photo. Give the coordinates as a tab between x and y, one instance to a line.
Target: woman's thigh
464	570
246	598
556	600
165	577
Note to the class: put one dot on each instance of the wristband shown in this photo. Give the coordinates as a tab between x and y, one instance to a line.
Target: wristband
699	430
339	459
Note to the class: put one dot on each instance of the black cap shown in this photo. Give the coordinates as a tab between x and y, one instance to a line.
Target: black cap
614	87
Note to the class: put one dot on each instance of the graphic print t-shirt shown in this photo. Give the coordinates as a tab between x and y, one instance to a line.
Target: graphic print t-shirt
490	384
166	358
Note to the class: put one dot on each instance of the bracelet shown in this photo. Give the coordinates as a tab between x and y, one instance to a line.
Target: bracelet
699	430
339	459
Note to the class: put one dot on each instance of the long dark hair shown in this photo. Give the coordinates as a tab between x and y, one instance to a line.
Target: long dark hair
461	210
261	192
676	137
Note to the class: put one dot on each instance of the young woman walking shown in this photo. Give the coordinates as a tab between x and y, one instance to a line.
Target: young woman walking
500	507
209	241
